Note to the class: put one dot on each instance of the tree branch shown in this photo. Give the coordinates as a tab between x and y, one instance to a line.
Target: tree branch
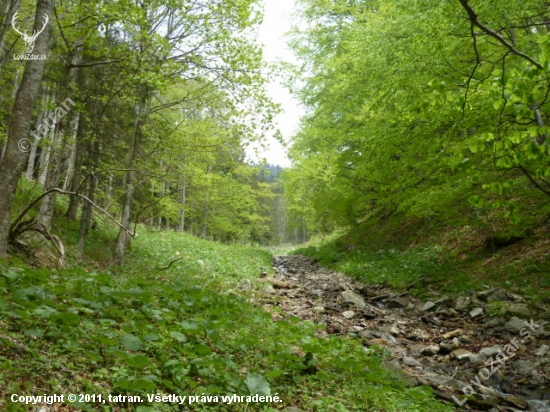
475	20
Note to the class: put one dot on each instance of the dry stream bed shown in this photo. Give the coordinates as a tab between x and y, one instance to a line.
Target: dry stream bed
489	351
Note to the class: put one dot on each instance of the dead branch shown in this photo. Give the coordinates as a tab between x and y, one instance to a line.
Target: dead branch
169	265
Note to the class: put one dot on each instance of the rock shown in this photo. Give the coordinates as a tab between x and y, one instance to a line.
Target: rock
394	330
539	405
490	351
318	309
407	360
543	350
270	290
523	366
462	303
445	348
430	350
461	354
417	348
476	312
514	325
516	309
452	334
493	294
377	342
370	334
355	329
427	306
397	303
476	359
349	296
442	380
348	314
393	365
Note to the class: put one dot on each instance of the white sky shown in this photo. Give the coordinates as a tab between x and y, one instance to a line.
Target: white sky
278	21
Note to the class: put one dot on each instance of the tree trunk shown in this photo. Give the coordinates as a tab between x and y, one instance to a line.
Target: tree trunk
14	161
74	184
7	10
183	194
124	237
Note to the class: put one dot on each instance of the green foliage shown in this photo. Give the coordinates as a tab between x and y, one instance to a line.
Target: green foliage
408	112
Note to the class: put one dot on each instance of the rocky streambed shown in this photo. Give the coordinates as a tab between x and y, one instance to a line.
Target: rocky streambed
488	351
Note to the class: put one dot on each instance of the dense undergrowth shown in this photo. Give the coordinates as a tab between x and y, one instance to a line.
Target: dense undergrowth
189	329
445	255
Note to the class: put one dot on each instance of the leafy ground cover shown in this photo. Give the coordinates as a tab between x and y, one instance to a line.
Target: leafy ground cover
442	256
187	329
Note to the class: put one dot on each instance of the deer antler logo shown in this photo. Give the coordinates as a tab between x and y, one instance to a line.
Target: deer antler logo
29	40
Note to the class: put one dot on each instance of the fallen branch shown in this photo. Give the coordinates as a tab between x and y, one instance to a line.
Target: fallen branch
15	228
169	265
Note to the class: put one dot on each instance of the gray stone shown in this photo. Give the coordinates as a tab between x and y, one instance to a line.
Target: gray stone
318	309
493	294
543	350
476	359
407	360
356	329
516	309
442	380
394	330
427	306
523	366
348	314
490	351
445	348
417	348
476	312
461	354
514	325
430	350
349	296
397	303
462	303
370	334
270	290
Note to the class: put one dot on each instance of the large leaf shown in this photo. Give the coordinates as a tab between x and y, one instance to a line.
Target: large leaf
255	384
131	342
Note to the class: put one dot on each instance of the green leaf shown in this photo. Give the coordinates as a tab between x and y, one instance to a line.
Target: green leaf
138	361
131	342
179	336
67	318
256	384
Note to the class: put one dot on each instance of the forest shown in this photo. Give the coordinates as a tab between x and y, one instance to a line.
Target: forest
148	259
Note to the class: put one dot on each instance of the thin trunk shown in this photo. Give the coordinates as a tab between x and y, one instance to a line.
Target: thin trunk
7	10
183	194
90	189
60	120
14	161
80	148
124	237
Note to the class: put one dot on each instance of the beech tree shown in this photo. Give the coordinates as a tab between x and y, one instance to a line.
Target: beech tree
13	162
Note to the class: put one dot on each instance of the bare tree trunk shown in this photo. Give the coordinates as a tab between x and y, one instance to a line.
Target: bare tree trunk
7	10
14	161
183	193
74	184
124	237
90	189
64	129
